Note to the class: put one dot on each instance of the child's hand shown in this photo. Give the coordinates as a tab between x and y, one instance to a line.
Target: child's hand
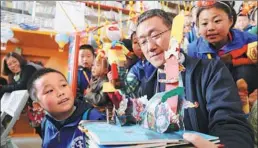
109	75
198	141
86	91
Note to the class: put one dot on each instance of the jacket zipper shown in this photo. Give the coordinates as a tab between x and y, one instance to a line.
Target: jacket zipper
192	112
59	138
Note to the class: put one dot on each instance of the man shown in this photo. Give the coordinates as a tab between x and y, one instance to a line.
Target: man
207	82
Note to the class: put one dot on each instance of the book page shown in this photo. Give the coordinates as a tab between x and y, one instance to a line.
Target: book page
17	101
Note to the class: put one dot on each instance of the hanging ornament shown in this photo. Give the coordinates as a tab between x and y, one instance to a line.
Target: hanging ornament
141	7
61	40
131	12
85	36
6	34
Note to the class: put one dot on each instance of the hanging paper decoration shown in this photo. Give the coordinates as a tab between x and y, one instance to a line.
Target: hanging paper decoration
61	40
92	41
85	36
6	34
141	7
131	12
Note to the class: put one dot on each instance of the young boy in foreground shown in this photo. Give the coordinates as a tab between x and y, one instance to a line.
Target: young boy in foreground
50	91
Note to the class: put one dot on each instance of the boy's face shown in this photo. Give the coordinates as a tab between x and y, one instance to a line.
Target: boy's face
98	69
54	95
242	22
85	58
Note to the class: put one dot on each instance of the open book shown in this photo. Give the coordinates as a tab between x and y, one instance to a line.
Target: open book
109	135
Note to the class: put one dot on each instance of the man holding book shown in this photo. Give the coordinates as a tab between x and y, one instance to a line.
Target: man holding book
207	82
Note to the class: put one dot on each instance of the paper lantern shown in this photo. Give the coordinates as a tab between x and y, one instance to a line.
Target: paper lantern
6	34
61	40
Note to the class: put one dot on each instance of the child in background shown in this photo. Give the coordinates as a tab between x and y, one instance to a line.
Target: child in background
94	94
218	40
137	79
243	22
50	92
130	61
86	57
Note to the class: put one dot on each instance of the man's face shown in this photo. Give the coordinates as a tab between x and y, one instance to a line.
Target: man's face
153	47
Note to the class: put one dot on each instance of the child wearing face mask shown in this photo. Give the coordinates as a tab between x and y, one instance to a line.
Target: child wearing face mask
86	57
51	93
215	20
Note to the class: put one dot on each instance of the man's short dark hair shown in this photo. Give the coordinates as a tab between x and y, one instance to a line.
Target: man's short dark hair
166	18
38	74
87	47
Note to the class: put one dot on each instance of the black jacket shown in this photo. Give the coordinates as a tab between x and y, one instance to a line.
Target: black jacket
26	73
210	83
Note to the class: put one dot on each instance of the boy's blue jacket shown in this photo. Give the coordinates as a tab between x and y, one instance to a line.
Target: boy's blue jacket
67	134
143	70
82	82
210	83
200	47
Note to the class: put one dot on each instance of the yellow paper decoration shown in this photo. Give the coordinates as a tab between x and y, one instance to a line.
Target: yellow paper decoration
108	87
178	27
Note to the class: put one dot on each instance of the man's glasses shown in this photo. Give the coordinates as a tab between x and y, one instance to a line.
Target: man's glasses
144	41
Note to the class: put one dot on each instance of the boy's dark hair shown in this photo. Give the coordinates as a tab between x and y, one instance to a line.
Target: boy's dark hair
166	18
88	47
128	44
226	6
38	74
133	33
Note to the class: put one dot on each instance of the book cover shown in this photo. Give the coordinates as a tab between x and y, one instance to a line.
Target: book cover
108	134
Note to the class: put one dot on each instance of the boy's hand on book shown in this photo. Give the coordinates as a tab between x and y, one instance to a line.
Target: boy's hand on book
198	141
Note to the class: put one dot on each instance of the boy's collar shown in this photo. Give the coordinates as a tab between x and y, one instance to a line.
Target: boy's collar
61	121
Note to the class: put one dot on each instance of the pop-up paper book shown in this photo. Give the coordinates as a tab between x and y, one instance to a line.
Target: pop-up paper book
159	116
172	65
112	136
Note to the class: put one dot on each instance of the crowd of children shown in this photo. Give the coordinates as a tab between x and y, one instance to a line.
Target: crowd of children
214	31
